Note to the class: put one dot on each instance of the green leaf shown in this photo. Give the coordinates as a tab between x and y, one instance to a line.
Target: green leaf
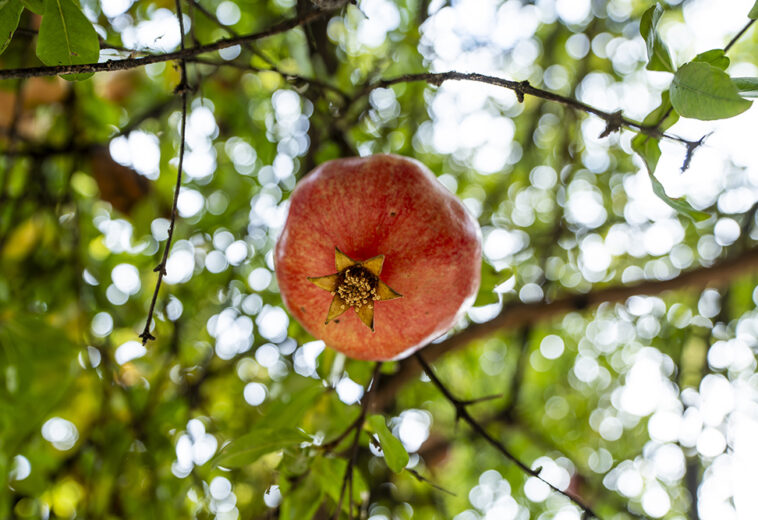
657	52
394	451
252	446
716	57
663	117
679	204
329	473
285	413
701	91
35	6
67	37
303	501
10	13
490	278
753	14
37	365
747	86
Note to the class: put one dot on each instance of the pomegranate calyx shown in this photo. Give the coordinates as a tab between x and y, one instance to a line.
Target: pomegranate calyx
356	284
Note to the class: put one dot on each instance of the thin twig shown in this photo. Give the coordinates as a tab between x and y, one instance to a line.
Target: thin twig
461	411
358	426
418	476
614	120
738	35
181	89
183	53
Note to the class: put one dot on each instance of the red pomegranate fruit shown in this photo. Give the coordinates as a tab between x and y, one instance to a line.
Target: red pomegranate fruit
376	257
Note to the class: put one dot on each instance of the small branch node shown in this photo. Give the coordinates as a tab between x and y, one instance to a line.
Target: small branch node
435	79
691	147
614	122
146	336
183	88
521	88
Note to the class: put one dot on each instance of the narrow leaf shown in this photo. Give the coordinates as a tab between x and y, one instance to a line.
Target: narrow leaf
753	14
657	52
716	57
66	37
10	13
701	91
748	87
394	451
252	446
679	204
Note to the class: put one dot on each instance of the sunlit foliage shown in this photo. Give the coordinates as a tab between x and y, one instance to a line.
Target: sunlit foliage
640	405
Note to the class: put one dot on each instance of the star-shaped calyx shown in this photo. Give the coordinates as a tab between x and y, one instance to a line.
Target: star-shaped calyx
356	284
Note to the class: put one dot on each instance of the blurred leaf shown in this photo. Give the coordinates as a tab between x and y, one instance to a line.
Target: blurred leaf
753	14
67	37
394	451
329	473
747	86
701	91
302	502
287	412
491	279
10	14
716	57
37	364
657	52
252	446
35	6
24	238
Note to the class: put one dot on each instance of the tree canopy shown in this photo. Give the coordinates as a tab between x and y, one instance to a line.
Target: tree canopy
149	369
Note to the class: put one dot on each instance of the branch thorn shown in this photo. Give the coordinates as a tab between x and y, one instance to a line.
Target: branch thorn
613	124
520	88
691	147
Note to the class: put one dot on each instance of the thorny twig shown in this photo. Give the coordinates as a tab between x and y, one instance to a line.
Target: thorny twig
181	89
614	120
461	412
738	35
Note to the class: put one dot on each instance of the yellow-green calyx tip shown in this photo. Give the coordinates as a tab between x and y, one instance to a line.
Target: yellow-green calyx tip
356	284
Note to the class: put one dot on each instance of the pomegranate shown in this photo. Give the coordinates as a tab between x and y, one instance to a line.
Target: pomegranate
376	257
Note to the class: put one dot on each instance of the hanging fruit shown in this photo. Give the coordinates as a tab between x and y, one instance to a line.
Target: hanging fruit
376	257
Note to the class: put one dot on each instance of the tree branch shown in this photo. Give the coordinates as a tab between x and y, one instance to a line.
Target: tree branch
614	120
738	35
461	411
517	315
183	53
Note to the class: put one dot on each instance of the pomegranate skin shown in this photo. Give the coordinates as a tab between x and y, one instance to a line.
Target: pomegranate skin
379	205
